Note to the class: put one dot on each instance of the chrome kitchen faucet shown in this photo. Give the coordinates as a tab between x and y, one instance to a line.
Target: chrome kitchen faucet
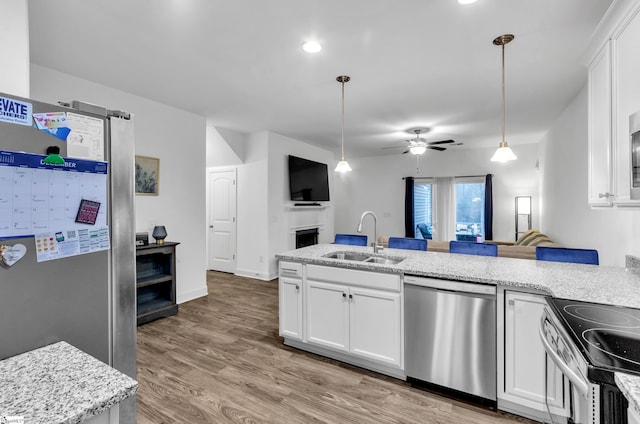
375	229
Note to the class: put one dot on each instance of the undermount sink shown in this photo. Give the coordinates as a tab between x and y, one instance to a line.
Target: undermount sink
383	260
349	256
364	257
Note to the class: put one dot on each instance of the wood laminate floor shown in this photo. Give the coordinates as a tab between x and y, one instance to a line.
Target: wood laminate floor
220	360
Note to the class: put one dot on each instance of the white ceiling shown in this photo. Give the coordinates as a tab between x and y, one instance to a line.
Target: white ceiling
412	62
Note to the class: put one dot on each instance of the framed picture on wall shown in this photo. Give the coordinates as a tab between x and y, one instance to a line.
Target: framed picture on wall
147	175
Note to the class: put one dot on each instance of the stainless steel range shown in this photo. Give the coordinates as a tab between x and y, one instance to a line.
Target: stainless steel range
589	342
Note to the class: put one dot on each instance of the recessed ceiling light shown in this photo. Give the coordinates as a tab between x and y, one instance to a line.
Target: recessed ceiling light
311	47
466	1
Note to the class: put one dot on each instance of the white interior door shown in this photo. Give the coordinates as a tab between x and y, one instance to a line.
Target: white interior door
222	220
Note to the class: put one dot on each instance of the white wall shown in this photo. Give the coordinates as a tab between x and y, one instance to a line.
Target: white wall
176	137
280	212
252	199
376	184
264	213
14	50
224	147
568	219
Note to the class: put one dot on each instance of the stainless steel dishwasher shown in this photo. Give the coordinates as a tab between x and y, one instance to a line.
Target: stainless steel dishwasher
450	335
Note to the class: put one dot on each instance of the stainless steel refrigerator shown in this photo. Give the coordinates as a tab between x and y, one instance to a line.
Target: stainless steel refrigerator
87	299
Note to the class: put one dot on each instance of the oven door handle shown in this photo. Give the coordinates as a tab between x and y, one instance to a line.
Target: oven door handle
578	382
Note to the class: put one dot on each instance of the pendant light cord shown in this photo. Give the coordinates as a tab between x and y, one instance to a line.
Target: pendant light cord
342	120
503	98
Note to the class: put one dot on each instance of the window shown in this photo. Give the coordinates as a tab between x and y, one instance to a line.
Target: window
469	209
423	209
449	208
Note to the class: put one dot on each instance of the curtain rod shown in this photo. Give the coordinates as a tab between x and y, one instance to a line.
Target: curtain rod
457	176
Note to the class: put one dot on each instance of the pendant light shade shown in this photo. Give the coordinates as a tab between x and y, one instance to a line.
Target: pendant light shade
343	165
504	152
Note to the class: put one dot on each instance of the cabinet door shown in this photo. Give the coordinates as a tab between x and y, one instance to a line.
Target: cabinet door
327	315
524	360
600	130
626	85
375	325
290	308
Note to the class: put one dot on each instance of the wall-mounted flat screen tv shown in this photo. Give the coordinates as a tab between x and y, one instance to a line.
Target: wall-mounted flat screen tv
308	180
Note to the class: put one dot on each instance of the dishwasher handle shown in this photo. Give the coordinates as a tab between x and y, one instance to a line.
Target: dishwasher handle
453	286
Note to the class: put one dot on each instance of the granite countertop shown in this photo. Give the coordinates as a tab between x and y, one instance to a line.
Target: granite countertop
589	283
630	386
59	384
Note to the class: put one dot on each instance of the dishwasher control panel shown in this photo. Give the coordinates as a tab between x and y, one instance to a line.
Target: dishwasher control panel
456	286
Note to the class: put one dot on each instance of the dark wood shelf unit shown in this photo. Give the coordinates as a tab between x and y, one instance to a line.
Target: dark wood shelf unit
156	281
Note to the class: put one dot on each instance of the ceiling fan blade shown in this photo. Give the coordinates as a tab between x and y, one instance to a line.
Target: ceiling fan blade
431	143
392	147
440	149
405	152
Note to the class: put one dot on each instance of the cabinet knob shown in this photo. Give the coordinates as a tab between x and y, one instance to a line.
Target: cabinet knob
605	195
344	295
350	296
297	287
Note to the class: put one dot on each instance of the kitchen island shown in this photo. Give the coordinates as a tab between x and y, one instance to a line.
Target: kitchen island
308	273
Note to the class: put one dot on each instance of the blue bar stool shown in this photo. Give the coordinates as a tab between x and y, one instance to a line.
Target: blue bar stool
563	254
470	248
351	239
407	243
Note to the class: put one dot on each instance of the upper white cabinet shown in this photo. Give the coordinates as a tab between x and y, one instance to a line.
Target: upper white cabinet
600	148
614	94
626	95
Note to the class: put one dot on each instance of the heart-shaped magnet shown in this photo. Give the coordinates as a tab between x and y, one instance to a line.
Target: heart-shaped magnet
12	254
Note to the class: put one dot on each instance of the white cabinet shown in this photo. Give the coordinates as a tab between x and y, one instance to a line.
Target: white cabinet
375	325
355	312
626	95
600	149
613	95
290	300
327	315
521	358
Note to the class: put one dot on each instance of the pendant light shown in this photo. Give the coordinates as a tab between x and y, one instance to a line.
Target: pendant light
343	166
504	152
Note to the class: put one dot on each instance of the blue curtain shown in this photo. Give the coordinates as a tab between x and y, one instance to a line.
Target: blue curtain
488	208
409	231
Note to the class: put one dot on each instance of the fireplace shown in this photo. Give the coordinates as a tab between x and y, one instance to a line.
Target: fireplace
307	237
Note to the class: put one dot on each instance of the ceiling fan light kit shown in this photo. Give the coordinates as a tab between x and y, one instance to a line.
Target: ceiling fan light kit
343	165
418	145
418	150
504	152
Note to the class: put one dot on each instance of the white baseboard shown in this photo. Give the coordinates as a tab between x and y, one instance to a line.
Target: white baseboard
193	294
253	274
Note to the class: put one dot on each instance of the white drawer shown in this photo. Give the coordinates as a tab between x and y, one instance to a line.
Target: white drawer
354	277
290	269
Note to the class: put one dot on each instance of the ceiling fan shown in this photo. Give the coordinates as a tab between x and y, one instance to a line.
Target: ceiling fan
419	145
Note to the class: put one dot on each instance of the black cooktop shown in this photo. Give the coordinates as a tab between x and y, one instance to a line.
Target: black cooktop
608	336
